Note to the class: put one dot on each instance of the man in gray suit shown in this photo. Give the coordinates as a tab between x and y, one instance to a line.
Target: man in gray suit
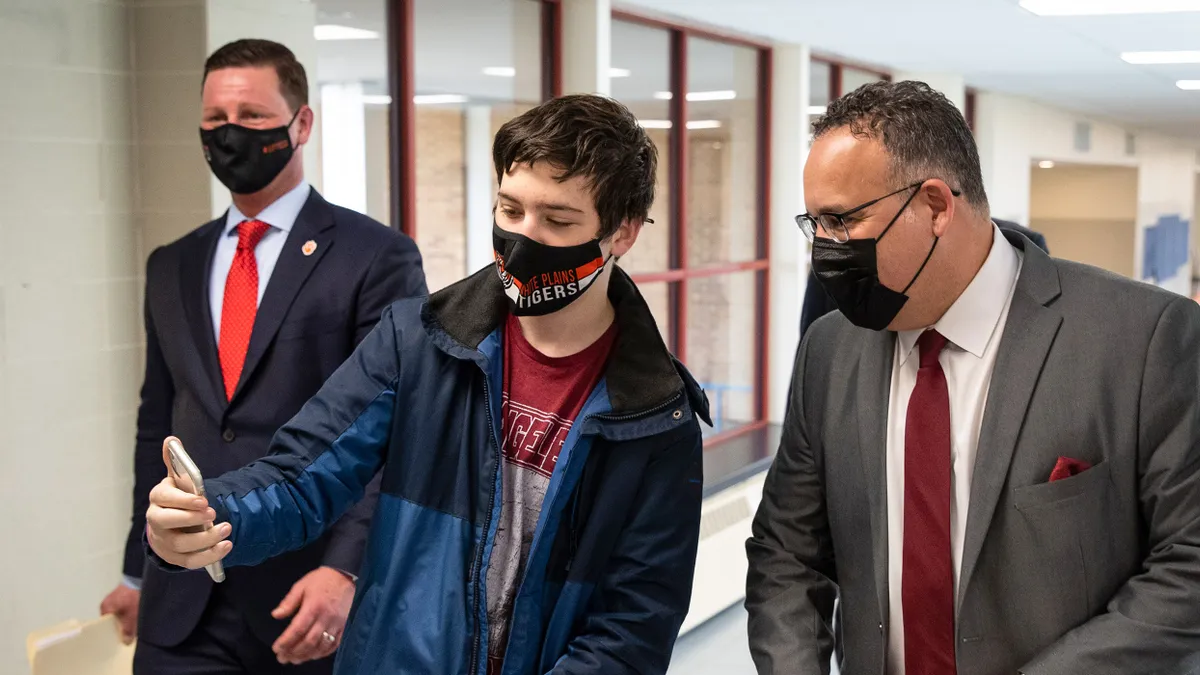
993	468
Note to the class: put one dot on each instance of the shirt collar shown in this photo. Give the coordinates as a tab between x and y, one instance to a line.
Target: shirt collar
971	321
281	214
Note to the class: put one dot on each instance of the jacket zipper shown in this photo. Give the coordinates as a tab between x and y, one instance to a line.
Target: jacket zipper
487	526
643	413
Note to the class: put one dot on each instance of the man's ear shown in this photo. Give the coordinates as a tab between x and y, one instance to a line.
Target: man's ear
625	237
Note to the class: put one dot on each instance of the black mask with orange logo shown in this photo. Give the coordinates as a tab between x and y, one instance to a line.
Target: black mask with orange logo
540	279
247	160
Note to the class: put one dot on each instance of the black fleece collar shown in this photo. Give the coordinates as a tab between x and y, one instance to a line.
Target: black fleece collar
641	372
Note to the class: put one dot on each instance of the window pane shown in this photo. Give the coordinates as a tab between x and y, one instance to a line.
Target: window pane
349	94
646	90
657	295
723	161
853	78
722	344
819	73
477	63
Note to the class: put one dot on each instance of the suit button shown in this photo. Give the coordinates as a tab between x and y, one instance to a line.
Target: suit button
228	435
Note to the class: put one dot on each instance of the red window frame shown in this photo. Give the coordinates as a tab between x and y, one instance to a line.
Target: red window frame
835	73
401	76
680	272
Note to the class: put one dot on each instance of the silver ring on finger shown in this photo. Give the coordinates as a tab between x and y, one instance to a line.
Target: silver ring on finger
329	637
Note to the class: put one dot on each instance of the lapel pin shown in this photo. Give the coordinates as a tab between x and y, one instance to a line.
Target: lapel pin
309	247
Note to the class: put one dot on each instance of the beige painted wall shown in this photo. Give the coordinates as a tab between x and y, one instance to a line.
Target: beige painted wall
1087	213
70	354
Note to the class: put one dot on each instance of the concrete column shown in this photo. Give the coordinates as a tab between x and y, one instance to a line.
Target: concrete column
953	86
480	179
1003	135
343	128
789	256
526	52
586	46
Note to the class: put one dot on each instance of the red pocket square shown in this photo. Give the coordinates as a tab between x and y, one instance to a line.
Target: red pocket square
1067	467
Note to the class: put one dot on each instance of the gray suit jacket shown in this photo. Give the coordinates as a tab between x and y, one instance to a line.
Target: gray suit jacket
1095	574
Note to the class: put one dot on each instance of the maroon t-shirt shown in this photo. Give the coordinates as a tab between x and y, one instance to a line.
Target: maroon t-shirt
542	397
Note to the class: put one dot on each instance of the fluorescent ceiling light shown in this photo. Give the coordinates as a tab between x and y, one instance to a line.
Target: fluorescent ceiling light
377	99
694	124
1097	7
816	110
1045	164
439	99
500	71
1188	85
1157	58
720	95
329	31
619	72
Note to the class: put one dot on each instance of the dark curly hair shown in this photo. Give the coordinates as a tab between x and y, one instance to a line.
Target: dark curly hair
590	136
925	134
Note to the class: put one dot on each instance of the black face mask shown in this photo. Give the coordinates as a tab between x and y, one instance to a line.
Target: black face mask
849	272
541	279
247	160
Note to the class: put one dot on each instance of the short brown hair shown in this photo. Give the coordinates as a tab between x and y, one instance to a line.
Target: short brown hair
590	136
253	53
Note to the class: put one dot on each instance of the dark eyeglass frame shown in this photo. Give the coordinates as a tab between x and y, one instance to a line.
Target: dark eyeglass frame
834	223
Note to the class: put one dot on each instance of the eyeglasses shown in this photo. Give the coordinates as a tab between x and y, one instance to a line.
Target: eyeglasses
834	224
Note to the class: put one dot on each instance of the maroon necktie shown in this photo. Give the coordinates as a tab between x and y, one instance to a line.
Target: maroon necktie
927	587
240	304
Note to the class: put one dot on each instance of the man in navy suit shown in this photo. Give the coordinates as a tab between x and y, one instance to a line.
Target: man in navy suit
245	318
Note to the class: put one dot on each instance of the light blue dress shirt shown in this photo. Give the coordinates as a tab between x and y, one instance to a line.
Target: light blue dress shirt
281	216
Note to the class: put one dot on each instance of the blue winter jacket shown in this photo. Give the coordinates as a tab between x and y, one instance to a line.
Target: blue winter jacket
609	573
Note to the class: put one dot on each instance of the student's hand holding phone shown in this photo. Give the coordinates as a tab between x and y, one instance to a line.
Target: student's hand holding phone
170	526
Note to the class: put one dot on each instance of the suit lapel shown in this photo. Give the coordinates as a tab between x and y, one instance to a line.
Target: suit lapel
315	223
873	392
1028	336
194	275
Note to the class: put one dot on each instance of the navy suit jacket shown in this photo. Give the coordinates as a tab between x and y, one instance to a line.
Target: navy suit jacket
315	310
817	302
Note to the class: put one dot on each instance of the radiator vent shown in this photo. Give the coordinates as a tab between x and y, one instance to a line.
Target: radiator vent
720	518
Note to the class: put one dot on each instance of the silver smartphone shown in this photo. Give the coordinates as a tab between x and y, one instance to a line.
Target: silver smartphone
187	478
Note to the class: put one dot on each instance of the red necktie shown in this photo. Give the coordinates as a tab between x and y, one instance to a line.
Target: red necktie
240	305
927	586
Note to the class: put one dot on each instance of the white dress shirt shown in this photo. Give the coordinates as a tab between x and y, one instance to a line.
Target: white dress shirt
281	216
973	326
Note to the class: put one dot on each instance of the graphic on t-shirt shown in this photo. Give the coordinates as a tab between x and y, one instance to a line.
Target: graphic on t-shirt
535	438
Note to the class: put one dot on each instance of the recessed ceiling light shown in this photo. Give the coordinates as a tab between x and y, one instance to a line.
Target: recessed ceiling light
377	99
1098	7
816	110
1045	164
439	99
1188	85
329	31
500	71
694	124
1156	58
619	72
720	95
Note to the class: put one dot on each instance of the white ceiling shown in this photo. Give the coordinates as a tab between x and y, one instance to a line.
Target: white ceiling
1070	62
